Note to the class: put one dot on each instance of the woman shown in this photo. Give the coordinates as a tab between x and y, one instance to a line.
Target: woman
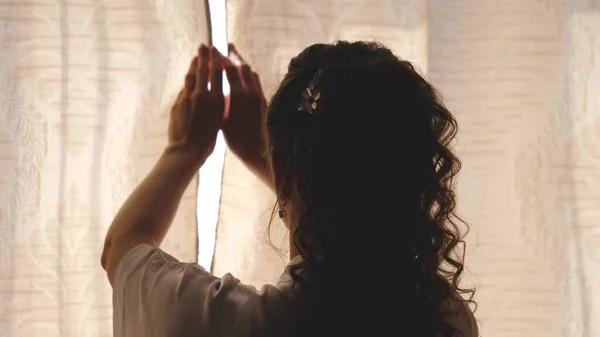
356	148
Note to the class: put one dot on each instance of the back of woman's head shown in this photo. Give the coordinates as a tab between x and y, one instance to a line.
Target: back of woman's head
364	154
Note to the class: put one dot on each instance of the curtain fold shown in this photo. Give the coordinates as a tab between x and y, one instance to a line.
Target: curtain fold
522	78
85	93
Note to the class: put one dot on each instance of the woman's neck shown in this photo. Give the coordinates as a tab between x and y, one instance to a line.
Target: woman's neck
293	251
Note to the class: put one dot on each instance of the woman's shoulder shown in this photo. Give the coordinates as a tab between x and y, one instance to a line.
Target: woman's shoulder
154	291
461	317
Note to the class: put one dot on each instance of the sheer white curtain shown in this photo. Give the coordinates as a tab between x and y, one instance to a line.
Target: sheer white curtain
85	91
522	78
85	88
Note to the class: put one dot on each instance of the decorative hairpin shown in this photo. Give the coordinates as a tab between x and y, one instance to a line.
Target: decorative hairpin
310	96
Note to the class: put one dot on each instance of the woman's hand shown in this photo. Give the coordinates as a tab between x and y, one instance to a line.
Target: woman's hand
197	114
196	117
242	126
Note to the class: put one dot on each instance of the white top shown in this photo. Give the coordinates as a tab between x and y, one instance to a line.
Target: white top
155	295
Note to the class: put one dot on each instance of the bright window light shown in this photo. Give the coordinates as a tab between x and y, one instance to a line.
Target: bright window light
209	187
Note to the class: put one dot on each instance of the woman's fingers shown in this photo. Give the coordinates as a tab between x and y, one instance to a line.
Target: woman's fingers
202	71
233	76
259	87
257	81
248	78
245	70
238	59
190	81
216	71
190	77
240	76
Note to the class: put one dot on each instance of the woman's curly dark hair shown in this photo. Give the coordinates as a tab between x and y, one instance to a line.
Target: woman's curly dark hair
372	172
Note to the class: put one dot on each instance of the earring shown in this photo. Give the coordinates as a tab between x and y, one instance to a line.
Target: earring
281	212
